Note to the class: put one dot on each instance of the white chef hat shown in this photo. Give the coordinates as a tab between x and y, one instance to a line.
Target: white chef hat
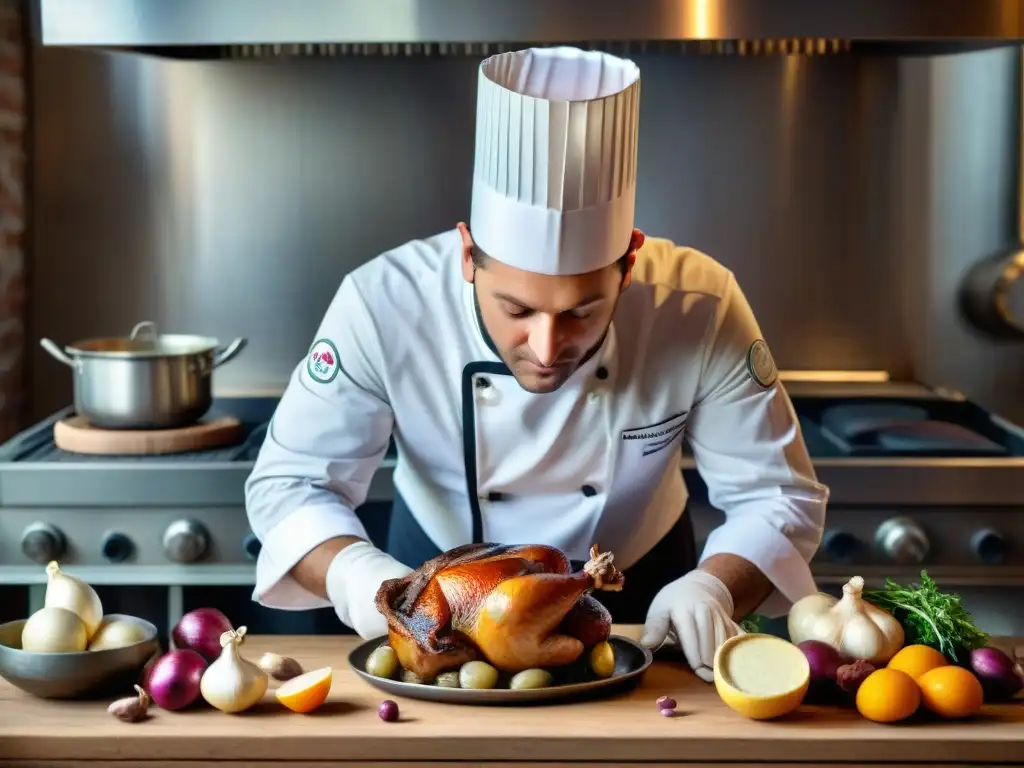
554	181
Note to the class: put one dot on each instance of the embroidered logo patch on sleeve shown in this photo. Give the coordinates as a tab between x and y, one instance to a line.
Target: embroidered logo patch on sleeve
322	363
761	364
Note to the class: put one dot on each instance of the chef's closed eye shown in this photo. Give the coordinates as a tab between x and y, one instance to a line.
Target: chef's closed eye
576	313
514	310
582	313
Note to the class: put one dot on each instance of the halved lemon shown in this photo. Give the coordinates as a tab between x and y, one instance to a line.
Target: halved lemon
307	691
761	676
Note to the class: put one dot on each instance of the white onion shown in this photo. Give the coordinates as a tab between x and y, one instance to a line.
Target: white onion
64	591
116	633
54	630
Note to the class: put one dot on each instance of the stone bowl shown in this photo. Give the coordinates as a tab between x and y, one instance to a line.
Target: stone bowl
108	673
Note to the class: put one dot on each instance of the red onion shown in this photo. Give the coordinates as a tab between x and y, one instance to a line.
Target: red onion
147	671
173	682
200	631
823	659
824	662
997	673
388	711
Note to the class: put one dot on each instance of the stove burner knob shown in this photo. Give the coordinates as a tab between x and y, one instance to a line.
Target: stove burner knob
186	541
989	546
840	546
903	541
117	547
41	543
252	546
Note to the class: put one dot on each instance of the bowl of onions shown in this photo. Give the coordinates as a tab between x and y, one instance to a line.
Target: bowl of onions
108	669
70	649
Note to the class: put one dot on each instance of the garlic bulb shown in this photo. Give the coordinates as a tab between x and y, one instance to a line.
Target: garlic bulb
64	591
851	625
233	683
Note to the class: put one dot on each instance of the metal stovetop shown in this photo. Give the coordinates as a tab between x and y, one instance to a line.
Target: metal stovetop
909	463
896	443
34	472
36	445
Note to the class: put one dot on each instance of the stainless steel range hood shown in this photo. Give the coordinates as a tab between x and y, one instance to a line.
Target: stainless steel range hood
170	24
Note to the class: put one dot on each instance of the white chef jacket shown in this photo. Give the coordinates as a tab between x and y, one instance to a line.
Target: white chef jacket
597	461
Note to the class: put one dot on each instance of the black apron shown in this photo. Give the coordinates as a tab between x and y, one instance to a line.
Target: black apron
672	557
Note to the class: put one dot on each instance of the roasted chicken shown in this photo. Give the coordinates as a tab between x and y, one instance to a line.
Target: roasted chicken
516	607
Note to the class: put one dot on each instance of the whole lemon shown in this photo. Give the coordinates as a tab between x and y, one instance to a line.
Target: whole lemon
951	692
888	696
915	660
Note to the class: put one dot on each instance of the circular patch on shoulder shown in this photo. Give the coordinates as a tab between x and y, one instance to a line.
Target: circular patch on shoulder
323	365
761	364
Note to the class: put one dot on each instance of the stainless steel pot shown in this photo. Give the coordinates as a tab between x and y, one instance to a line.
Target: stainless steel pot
144	381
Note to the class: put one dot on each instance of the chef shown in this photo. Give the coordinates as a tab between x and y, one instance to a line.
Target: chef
539	370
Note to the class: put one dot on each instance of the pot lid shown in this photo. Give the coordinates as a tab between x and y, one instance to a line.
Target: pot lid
144	341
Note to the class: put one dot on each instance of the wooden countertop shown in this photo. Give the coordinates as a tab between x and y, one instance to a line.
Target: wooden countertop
623	730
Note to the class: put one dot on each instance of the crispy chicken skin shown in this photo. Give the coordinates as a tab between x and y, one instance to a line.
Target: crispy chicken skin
516	607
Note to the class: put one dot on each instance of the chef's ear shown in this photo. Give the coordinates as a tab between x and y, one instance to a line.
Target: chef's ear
636	242
468	267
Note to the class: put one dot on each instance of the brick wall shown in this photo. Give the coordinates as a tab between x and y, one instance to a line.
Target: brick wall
12	215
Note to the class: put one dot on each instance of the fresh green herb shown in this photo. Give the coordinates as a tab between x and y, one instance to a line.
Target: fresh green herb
930	617
751	624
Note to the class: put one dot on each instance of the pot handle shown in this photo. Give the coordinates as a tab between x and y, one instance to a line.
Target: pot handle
229	352
147	328
57	353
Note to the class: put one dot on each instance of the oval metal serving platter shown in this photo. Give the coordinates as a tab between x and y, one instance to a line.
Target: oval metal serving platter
631	661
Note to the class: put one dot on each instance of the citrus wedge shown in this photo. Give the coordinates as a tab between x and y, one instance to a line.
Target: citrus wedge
307	691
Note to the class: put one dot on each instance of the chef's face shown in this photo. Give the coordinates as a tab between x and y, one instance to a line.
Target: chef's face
545	326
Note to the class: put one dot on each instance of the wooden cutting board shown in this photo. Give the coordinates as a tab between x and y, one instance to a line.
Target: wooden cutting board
76	435
619	730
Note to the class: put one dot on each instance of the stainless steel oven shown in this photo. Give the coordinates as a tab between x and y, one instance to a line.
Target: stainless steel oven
108	519
919	479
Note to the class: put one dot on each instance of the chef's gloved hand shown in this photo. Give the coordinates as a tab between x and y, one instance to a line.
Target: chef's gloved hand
353	579
694	612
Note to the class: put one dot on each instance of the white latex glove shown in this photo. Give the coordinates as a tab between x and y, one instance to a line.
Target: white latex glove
694	612
353	579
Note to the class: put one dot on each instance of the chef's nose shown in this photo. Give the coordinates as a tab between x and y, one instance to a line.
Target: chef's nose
544	339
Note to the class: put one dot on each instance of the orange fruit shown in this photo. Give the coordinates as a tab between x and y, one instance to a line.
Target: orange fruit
915	660
888	696
307	691
951	692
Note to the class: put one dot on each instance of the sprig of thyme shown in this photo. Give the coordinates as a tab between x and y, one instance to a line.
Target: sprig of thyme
930	617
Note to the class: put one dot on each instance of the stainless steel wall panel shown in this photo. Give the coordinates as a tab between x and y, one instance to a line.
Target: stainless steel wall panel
230	198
